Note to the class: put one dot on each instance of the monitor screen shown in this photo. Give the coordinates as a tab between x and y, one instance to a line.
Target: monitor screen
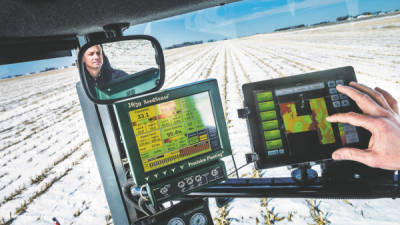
287	118
301	111
173	131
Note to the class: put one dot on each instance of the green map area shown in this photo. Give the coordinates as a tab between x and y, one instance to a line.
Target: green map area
171	131
316	121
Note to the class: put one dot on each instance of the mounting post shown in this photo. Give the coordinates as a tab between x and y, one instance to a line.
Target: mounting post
304	174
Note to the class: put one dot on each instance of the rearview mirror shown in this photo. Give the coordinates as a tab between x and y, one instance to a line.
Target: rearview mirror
118	68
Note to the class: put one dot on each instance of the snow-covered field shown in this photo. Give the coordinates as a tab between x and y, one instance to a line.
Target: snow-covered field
47	168
131	56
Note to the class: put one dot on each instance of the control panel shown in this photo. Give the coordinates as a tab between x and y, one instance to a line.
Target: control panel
189	182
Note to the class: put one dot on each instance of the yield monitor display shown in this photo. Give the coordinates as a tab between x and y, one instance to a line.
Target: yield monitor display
287	117
173	131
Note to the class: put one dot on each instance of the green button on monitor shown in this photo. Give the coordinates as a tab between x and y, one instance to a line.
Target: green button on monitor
270	125
264	96
268	115
265	106
272	134
274	144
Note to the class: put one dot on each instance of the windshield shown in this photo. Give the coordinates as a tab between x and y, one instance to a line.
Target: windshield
251	41
47	166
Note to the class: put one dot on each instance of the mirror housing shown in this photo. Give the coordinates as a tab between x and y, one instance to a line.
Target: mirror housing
114	69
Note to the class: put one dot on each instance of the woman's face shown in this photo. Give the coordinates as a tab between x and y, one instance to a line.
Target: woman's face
93	58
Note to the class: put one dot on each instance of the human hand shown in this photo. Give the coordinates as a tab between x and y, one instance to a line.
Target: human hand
381	117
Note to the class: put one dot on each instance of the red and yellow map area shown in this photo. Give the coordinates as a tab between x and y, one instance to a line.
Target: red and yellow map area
316	121
170	132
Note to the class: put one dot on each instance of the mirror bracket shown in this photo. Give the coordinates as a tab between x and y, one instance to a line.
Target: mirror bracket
115	30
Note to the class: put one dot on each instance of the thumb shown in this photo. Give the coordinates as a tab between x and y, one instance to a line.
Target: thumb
362	156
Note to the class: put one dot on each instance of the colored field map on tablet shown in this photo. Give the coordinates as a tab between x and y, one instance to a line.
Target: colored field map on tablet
315	121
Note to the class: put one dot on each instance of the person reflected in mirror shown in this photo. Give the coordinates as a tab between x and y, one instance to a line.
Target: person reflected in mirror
381	117
98	68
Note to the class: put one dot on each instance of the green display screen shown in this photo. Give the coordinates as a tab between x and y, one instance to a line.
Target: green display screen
173	131
285	108
297	116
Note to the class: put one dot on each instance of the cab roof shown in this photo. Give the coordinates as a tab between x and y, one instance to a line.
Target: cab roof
49	18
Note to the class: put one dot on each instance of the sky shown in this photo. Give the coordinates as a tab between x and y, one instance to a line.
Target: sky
238	19
35	66
246	18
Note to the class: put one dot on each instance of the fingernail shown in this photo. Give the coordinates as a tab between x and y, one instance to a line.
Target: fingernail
337	156
353	82
329	118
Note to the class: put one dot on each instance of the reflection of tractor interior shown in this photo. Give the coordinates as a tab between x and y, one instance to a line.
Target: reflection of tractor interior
159	148
129	85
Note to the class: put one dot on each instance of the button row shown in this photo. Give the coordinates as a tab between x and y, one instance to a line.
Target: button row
337	97
164	172
270	124
338	100
198	179
332	83
338	104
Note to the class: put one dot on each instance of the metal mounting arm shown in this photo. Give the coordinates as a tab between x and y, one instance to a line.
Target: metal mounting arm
286	187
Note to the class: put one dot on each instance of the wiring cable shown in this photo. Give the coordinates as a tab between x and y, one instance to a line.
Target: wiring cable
237	169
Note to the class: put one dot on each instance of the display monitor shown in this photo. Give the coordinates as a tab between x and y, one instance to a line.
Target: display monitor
287	120
173	131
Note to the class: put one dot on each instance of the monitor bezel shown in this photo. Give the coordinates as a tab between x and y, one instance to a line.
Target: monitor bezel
123	108
253	121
